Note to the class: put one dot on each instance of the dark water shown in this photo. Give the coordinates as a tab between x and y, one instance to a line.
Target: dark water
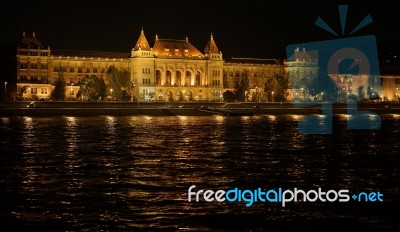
133	173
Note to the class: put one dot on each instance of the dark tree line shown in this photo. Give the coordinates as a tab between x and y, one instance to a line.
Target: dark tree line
273	87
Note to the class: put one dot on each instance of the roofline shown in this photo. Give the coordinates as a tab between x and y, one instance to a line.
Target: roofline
248	58
277	61
88	51
183	40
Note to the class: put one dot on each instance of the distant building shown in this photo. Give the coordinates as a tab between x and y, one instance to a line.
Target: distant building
301	69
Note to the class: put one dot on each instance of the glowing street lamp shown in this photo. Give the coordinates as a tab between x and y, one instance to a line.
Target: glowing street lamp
302	93
272	96
5	90
112	97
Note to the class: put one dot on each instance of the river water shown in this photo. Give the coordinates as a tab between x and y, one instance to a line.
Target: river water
111	173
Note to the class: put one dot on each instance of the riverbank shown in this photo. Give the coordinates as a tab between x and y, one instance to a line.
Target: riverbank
45	109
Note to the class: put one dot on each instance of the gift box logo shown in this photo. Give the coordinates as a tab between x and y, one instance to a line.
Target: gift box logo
345	70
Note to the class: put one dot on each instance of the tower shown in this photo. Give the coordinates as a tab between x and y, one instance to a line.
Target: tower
142	69
214	70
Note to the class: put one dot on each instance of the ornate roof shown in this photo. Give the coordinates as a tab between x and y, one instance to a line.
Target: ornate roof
211	46
173	47
237	60
308	56
88	54
142	43
30	42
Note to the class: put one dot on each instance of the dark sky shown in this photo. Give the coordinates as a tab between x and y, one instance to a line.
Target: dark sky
241	28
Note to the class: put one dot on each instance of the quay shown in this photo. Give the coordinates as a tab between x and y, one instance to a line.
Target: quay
48	109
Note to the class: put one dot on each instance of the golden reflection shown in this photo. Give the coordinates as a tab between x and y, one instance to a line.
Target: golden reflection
71	121
133	121
5	120
344	116
71	133
220	119
272	118
148	118
395	116
72	161
245	118
29	138
183	120
110	122
296	117
372	117
28	122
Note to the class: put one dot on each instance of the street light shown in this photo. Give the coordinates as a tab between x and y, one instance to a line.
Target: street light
322	96
71	91
245	96
5	90
272	96
112	97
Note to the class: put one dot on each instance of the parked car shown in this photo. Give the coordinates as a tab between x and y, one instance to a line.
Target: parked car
233	105
33	104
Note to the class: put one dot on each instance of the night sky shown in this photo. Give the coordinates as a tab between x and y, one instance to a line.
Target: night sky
240	28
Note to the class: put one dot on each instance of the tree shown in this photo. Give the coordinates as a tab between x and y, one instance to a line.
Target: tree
101	88
120	83
352	97
361	93
270	86
243	87
313	86
22	91
282	86
93	89
58	93
229	96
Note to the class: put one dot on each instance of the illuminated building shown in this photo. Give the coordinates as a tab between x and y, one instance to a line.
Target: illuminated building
171	70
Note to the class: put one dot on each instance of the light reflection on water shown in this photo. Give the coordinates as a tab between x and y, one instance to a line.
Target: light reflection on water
129	173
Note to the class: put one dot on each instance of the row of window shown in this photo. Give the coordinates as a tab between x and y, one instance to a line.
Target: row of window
146	81
216	73
145	70
301	74
79	69
216	83
251	74
161	90
216	93
35	90
32	66
32	77
33	53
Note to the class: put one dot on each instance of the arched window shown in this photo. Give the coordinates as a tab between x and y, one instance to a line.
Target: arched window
188	80
158	77
178	79
168	77
198	78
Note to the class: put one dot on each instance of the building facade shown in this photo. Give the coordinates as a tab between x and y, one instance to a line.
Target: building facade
175	70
